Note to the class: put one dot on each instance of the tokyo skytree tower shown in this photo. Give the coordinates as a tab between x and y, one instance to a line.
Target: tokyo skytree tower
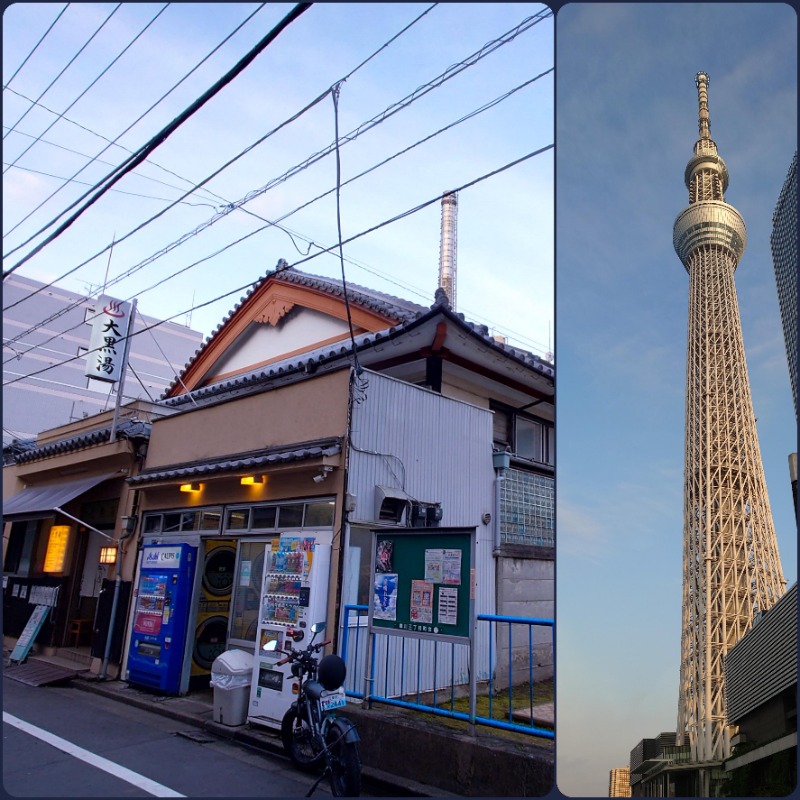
731	566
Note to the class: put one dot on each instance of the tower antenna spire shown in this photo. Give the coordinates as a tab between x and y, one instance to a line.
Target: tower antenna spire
731	566
704	123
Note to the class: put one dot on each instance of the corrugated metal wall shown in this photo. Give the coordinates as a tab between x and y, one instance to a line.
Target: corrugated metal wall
437	450
764	661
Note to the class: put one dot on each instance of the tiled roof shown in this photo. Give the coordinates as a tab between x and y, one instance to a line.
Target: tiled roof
242	461
129	429
409	314
383	303
379	302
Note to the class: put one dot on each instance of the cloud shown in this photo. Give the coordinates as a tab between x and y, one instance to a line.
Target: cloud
580	533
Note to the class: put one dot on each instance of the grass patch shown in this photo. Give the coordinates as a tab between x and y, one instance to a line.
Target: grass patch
520	698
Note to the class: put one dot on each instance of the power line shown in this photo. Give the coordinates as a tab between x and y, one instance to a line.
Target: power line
118	191
230	207
36	46
514	32
275	223
99	136
83	93
153	257
95	158
119	136
353	238
50	85
164	134
449	73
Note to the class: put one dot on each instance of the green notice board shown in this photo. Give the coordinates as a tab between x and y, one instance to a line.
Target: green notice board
423	581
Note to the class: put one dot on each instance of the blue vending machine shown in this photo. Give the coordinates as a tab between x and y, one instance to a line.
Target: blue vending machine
161	616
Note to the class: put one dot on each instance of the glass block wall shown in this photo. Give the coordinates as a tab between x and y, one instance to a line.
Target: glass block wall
527	509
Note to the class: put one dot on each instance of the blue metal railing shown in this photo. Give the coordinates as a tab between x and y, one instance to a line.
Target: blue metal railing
507	662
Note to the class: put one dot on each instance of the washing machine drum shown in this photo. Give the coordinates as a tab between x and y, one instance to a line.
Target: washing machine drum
331	672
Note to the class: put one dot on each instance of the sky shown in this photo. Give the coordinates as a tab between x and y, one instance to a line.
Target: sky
505	223
627	122
626	125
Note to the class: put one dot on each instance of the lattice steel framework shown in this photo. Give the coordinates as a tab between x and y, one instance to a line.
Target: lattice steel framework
731	566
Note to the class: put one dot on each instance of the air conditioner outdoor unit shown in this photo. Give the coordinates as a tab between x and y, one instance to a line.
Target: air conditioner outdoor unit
391	505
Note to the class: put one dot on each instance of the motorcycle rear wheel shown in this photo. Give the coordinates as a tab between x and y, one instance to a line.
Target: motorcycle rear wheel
298	740
345	761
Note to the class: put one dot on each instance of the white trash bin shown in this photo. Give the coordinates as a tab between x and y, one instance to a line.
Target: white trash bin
231	674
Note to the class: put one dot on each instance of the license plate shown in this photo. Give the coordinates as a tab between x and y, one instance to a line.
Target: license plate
333	700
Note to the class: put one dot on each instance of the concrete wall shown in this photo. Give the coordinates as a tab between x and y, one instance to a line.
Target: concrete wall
426	751
525	587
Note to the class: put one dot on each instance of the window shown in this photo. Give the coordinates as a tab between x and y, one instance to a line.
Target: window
237	518
528	440
358	589
313	514
177	521
527	436
19	552
319	515
291	516
265	516
247	592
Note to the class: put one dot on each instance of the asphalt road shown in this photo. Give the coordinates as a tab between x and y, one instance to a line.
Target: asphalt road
61	742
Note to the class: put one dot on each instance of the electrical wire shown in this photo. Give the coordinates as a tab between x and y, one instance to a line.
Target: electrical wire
117	191
67	66
335	95
36	46
135	375
486	106
153	257
119	136
222	212
113	142
83	93
252	284
363	128
218	252
164	134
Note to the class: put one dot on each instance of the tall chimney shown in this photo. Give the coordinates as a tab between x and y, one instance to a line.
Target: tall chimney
449	246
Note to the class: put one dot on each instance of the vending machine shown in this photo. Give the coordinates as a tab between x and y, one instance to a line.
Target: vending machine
294	596
161	607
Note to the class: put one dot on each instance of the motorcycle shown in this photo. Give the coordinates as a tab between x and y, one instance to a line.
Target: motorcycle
312	732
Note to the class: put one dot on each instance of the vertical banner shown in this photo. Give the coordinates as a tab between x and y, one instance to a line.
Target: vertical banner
104	360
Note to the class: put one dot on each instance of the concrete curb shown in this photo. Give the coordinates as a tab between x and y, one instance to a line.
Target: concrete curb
246	735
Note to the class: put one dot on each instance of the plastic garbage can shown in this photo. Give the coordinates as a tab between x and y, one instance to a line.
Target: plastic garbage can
231	675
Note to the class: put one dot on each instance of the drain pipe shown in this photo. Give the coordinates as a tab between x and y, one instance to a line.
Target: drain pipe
501	460
110	633
130	524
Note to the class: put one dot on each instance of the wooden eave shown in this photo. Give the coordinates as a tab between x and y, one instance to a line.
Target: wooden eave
268	304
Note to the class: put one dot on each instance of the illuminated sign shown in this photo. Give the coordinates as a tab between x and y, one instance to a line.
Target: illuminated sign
57	548
169	557
107	342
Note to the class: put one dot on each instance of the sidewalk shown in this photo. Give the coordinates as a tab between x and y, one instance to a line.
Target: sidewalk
197	710
417	759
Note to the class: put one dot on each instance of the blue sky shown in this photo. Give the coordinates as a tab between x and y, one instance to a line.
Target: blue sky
626	125
505	224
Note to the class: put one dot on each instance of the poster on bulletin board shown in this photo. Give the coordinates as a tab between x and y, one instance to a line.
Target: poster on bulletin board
423	582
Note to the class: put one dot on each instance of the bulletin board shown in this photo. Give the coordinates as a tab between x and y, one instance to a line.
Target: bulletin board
423	582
